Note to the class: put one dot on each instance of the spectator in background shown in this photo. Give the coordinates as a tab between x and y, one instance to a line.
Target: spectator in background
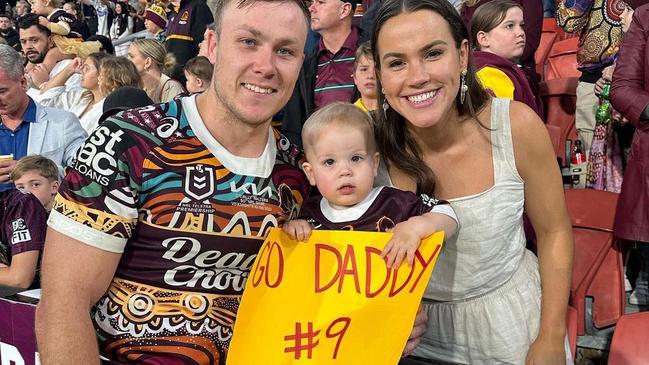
79	25
39	176
185	30
600	30
23	223
326	73
198	72
22	8
8	32
29	128
153	63
36	42
533	19
121	28
105	15
497	33
630	96
87	103
155	21
365	78
89	15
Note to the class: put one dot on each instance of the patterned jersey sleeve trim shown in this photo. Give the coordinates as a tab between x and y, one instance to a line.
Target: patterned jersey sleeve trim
85	234
441	207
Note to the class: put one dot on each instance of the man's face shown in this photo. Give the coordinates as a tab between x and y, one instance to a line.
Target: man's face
35	44
257	58
5	23
326	14
21	9
12	93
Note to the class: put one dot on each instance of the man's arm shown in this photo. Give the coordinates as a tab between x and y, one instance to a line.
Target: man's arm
74	277
20	273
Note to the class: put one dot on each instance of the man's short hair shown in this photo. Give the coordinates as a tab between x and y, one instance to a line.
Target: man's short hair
29	20
220	5
340	114
11	62
43	165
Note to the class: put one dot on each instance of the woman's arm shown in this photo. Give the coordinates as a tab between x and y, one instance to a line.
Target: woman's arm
546	208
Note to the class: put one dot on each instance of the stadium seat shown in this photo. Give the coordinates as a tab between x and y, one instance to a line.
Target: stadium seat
562	59
555	137
548	37
630	344
559	101
597	288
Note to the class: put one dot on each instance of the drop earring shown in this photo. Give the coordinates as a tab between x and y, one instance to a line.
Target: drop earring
463	87
385	105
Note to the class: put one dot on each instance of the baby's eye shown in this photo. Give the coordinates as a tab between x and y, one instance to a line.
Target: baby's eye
357	158
328	162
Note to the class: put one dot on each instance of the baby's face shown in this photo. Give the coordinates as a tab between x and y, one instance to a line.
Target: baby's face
341	166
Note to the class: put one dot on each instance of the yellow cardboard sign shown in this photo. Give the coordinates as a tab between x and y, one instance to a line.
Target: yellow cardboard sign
331	300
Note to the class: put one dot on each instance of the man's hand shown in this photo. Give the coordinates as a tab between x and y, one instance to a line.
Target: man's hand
6	166
39	75
418	330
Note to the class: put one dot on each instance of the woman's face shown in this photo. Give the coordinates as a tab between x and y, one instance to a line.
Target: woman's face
89	74
626	17
420	77
118	8
137	58
507	39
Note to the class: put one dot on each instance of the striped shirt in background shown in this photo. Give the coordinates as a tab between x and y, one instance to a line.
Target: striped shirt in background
334	76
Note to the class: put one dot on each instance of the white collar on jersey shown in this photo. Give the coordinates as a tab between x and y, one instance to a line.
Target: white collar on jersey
351	213
261	166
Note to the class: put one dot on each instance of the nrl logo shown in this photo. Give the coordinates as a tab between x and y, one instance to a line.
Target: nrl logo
199	181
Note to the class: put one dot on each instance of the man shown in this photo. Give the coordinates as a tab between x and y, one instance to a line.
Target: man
598	22
165	207
185	30
326	74
36	42
22	8
8	32
28	128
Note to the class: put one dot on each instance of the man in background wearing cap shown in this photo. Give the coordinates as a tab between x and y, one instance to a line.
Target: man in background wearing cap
155	21
326	74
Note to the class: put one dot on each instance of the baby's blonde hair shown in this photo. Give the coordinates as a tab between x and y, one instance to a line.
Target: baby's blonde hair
338	114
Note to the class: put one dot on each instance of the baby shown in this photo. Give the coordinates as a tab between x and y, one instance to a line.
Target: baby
342	163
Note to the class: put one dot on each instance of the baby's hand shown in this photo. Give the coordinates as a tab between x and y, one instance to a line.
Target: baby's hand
43	21
298	229
404	243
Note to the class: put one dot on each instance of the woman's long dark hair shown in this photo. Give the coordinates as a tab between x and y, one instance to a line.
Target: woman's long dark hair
122	19
395	142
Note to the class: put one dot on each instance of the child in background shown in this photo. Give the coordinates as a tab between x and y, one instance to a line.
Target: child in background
37	175
342	162
364	78
198	72
68	43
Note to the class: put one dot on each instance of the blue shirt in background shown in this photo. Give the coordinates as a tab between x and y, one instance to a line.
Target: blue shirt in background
14	142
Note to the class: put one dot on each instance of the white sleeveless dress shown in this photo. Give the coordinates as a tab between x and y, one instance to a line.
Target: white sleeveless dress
484	297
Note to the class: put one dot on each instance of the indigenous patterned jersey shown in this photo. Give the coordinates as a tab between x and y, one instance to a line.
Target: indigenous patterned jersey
23	224
189	218
381	210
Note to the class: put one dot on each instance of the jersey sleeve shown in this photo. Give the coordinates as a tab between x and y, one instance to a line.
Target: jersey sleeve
26	224
426	204
97	200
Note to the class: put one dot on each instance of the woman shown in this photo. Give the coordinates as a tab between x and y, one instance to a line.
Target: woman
100	75
497	33
630	96
153	62
122	27
491	158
